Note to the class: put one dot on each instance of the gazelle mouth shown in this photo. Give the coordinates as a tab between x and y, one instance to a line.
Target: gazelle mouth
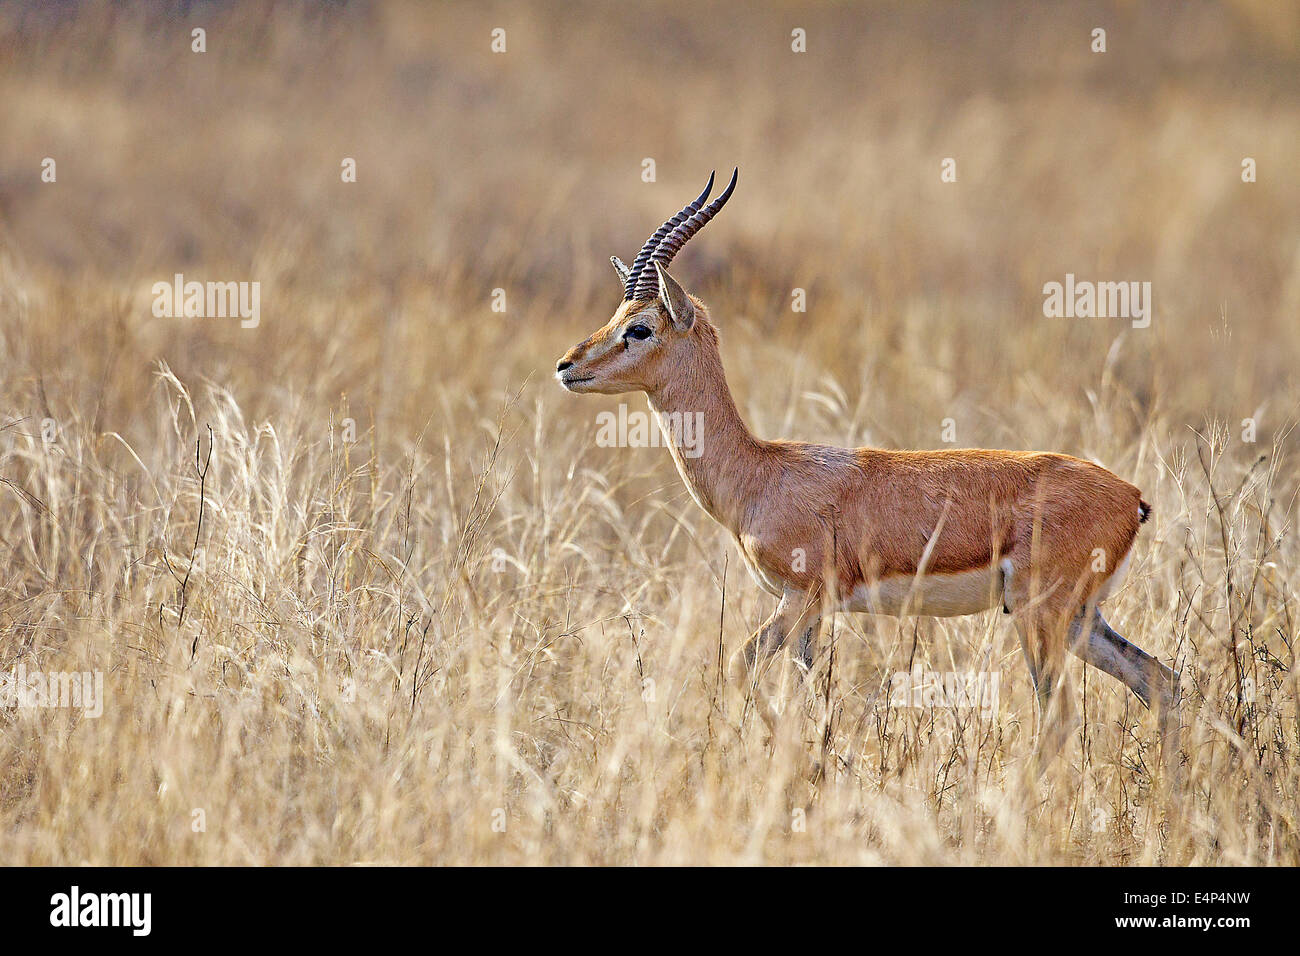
568	381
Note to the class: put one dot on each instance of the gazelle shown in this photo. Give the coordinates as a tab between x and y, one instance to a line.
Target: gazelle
942	533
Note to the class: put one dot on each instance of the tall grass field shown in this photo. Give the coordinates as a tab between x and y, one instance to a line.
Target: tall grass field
349	579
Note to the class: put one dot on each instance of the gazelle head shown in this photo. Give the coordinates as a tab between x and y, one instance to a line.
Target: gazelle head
643	344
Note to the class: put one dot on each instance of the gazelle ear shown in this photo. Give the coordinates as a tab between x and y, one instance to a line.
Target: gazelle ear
622	270
674	297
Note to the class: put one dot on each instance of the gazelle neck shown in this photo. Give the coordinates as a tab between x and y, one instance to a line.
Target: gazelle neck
716	455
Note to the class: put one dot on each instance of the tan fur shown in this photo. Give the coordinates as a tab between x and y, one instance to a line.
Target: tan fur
1063	524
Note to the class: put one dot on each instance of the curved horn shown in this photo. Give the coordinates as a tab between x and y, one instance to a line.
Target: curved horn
646	285
643	257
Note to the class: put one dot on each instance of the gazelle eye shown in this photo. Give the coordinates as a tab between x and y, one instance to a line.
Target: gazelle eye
637	332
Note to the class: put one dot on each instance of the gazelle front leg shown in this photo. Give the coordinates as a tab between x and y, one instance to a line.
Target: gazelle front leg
798	615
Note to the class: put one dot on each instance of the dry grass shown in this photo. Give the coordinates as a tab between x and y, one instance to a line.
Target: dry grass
474	614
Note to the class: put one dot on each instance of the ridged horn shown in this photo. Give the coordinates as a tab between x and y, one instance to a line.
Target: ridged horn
642	259
645	285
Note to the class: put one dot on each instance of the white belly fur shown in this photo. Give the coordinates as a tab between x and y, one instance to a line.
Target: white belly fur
936	595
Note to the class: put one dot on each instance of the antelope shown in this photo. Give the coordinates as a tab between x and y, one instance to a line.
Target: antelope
941	533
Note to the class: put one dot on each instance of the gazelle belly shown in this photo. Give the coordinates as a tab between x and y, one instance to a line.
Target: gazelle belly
937	595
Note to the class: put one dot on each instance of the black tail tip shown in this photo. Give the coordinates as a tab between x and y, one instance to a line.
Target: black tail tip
1144	511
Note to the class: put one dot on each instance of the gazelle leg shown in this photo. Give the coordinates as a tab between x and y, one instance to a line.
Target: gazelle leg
798	614
804	630
1042	633
762	643
1154	683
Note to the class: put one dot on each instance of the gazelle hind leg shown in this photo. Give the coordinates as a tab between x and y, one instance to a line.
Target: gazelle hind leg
1042	633
1046	574
1155	684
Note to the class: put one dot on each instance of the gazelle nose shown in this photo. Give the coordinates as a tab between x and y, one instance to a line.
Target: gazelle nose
563	365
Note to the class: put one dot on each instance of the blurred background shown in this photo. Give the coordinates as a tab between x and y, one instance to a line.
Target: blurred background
522	171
